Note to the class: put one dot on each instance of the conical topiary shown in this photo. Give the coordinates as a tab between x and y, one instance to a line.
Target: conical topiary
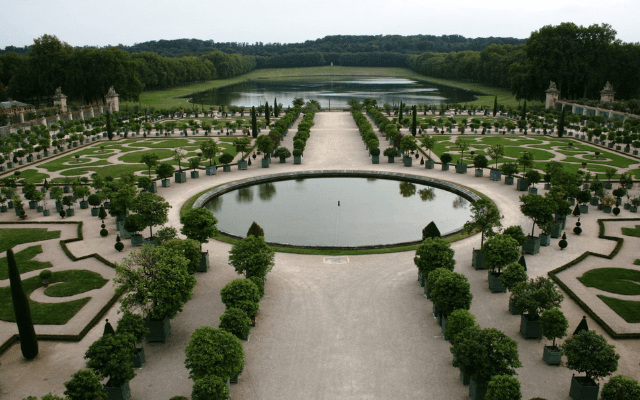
102	214
431	230
523	262
22	311
255	230
108	329
576	211
119	245
563	242
582	326
422	161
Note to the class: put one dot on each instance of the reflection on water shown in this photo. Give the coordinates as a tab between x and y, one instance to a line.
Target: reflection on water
334	91
339	211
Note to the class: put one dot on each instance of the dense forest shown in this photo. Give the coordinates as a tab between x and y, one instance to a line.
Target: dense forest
579	59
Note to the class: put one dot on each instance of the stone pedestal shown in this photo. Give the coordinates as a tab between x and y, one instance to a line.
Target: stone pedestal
60	100
607	94
552	95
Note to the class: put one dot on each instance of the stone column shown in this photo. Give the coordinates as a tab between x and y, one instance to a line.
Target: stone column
81	114
112	100
552	96
21	117
91	114
60	99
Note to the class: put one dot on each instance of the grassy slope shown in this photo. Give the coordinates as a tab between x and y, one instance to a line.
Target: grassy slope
170	97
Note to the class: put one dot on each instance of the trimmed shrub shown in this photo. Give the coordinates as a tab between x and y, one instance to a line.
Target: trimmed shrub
431	230
242	294
255	230
259	283
236	321
84	385
210	388
213	351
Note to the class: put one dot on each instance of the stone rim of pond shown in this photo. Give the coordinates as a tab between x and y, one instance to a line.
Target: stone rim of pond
228	187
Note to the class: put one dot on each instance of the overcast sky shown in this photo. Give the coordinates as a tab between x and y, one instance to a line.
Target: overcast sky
101	23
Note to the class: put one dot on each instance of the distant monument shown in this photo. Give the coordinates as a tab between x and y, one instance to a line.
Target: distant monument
552	95
112	100
607	94
60	100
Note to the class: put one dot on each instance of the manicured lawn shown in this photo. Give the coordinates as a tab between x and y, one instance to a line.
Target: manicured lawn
79	281
13	237
115	171
135	156
614	280
23	259
632	231
33	176
628	310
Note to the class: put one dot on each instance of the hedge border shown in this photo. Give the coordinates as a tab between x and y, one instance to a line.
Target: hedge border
553	275
63	243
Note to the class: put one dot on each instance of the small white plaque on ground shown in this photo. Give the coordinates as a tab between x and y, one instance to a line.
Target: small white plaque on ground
336	260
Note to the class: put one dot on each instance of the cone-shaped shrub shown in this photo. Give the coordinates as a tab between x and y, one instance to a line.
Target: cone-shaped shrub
255	230
430	230
28	339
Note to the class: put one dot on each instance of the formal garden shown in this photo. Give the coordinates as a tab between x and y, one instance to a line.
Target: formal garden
158	252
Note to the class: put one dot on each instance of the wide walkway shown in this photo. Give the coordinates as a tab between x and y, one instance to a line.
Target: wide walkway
360	329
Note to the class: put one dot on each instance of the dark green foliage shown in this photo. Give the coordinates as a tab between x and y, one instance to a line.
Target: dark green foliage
84	385
458	321
252	256
589	353
110	356
242	294
432	254
45	275
620	388
503	387
553	325
259	282
561	123
225	158
536	296
119	245
102	214
255	230
513	274
254	123
374	151
499	251
237	322
215	352
523	262
451	291
22	311
576	210
414	123
198	224
108	328
563	242
134	325
495	105
446	158
431	230
189	248
25	262
210	387
623	281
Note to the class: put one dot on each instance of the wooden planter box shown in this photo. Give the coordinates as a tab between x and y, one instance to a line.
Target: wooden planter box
429	164
461	168
204	262
533	190
477	259
532	246
375	159
584	209
210	169
117	392
445	167
165	183
583	388
523	185
479	173
530	328
242	165
476	392
159	330
195	174
138	358
180	177
508	180
545	239
407	160
552	355
495	175
136	240
494	283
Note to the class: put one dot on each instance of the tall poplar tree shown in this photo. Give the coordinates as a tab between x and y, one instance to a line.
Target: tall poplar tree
254	123
109	127
495	106
276	109
28	339
400	114
267	113
561	123
415	121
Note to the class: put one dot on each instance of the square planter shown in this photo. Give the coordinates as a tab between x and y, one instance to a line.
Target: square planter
533	190
297	159
33	205
165	183
136	240
512	309
180	177
530	328
584	209
476	392
429	164
465	378
39	208
375	159
479	173
210	169
117	392
45	213
552	355
226	168
583	388
495	175
95	212
494	283
595	201
84	204
242	165
407	161
445	167
523	185
477	259
461	168
138	358
204	262
607	210
508	180
545	239
608	185
70	212
532	246
159	330
153	188
195	174
125	234
265	163
391	159
633	209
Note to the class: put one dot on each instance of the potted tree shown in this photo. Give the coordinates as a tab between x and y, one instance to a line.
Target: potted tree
390	153
540	209
136	327
532	298
509	169
152	211
408	145
533	177
236	322
252	256
526	160
503	387
433	253
84	384
216	352
265	144
450	291
150	160
200	225
483	355
209	150
597	187
495	152
155	280
69	201
135	223
462	144
499	251
480	162
589	353
484	218
110	357
164	171
607	202
242	294
225	159
513	274
95	200
445	158
553	325
242	145
194	164
583	198
178	156
428	143
282	153
620	388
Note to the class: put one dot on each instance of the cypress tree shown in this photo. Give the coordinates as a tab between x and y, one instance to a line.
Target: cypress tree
266	112
276	109
524	110
400	114
254	123
430	231
561	124
495	106
415	121
109	128
28	339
